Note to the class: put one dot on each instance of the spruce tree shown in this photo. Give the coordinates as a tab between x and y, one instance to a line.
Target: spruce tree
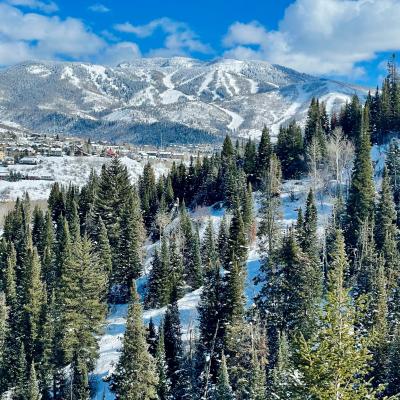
34	300
380	331
135	376
47	257
79	385
264	154
176	272
290	151
164	384
223	390
393	370
174	354
393	168
127	263
223	241
360	203
38	230
151	337
385	222
80	299
282	377
210	313
3	328
334	361
103	249
33	392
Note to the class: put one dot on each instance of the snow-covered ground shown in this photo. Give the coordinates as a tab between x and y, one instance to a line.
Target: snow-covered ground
293	197
65	170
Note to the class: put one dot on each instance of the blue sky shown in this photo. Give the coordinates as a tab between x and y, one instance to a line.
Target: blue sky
345	39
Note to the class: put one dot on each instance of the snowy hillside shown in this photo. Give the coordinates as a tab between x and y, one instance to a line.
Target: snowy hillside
110	343
64	170
186	98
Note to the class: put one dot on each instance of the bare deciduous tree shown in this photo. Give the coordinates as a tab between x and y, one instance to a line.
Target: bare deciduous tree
340	155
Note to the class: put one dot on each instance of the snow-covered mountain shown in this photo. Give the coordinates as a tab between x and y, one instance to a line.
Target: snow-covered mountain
189	100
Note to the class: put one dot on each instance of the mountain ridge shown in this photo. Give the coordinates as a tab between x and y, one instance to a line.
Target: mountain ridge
184	96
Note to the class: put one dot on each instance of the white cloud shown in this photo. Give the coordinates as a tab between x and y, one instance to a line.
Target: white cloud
179	39
100	8
46	37
119	52
45	6
321	36
27	36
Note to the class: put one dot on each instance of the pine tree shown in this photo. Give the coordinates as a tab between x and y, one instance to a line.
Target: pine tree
264	154
56	202
290	151
191	251
360	203
80	299
38	230
250	160
210	342
209	254
223	390
248	214
238	247
3	327
148	195
269	228
158	292
300	292
309	238
393	168
34	299
334	362
152	337
176	272
135	376
164	384
380	331
79	385
47	257
393	370
282	376
223	241
20	381
257	381
33	392
385	224
10	289
174	354
127	265
103	249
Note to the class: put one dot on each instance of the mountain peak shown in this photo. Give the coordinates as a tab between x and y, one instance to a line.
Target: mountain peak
182	96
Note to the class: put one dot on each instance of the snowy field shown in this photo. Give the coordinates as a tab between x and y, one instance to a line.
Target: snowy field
64	170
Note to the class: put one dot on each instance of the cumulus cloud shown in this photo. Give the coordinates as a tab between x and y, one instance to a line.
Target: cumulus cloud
179	39
26	36
40	36
45	6
321	36
99	8
118	53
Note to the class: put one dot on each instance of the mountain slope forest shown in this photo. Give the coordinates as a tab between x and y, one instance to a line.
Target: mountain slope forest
323	325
